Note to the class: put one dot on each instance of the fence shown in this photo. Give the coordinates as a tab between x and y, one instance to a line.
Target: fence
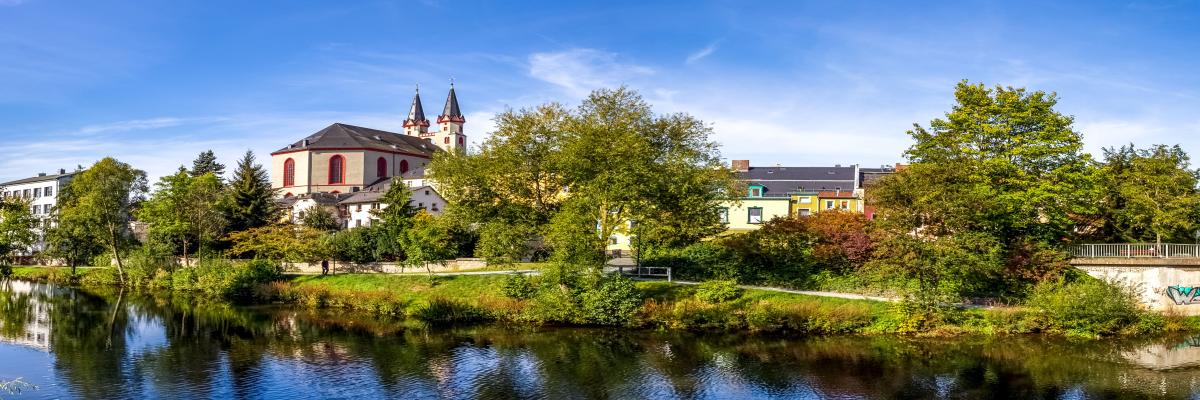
1137	250
647	272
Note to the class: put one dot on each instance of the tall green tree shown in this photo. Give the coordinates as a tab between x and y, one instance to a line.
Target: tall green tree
185	211
395	216
428	241
17	225
73	243
249	200
206	163
101	199
320	218
1003	169
577	177
1149	193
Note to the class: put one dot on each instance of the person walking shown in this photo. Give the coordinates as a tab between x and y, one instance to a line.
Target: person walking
324	267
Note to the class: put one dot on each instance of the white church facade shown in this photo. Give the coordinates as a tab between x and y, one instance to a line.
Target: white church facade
331	166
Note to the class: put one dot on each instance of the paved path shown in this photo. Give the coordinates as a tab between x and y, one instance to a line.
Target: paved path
851	296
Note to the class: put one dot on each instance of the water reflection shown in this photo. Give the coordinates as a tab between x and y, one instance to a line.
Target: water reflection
116	345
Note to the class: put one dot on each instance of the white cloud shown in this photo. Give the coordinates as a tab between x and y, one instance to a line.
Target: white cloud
4	3
580	71
701	54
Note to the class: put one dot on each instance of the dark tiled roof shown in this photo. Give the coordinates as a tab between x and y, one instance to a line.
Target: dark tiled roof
327	199
416	113
37	179
414	174
799	173
374	192
341	135
837	195
451	110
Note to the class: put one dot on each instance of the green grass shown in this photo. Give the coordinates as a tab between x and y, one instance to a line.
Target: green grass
461	287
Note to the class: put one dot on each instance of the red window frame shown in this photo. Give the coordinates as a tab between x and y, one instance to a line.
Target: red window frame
381	167
289	172
340	163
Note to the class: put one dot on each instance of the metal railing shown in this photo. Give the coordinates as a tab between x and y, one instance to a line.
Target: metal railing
1136	250
647	272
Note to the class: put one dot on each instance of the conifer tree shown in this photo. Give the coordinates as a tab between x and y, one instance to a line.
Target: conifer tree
249	200
205	163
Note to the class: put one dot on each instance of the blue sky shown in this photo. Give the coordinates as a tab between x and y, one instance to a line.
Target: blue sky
795	83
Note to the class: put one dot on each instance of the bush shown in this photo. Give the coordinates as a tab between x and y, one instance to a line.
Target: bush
718	291
613	300
1089	307
518	286
5	270
446	311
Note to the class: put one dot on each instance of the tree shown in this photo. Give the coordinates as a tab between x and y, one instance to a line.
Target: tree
101	200
320	218
503	244
250	200
576	177
279	242
1149	193
16	229
393	217
73	243
206	163
184	210
1004	169
428	241
841	239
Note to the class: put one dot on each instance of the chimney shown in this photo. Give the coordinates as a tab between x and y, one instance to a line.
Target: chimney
305	142
741	165
62	171
41	174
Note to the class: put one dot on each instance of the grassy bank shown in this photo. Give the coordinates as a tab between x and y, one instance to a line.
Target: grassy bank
648	305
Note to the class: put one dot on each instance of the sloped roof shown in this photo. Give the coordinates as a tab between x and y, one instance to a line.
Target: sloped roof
844	194
799	173
343	136
375	191
37	179
451	111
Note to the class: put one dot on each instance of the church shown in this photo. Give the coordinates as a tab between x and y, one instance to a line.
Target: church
345	158
345	168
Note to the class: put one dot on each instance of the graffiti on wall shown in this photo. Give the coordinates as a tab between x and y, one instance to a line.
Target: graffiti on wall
1184	295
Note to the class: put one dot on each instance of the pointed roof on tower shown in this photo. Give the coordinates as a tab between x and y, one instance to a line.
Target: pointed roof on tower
451	112
416	113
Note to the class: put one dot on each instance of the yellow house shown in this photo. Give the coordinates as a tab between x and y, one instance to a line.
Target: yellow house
839	200
756	208
804	204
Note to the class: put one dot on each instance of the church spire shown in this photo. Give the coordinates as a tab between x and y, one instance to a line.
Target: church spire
451	113
416	122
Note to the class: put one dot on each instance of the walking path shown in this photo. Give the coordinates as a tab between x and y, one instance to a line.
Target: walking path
851	296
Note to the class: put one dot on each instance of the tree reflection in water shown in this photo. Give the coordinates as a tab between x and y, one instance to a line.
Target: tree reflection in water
121	345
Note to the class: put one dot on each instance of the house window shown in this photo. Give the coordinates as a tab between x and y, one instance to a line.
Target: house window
403	166
845	205
804	212
289	172
756	191
358	207
828	204
37	192
381	167
426	192
446	140
357	223
461	141
754	215
337	170
613	240
723	214
48	191
806	200
420	205
374	206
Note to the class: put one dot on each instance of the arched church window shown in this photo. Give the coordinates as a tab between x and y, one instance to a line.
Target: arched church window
381	167
289	172
446	140
337	170
403	166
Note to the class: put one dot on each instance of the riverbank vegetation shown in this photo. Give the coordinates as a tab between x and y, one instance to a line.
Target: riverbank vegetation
992	195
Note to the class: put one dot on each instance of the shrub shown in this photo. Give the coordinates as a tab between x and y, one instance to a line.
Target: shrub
6	270
1088	307
695	314
518	286
718	291
612	300
446	311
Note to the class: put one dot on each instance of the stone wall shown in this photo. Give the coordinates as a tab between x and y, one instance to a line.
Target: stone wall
457	265
1163	284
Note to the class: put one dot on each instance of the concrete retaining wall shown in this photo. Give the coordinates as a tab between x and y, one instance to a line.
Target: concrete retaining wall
1163	284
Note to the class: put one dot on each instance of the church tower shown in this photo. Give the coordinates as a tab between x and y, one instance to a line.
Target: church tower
416	124
450	134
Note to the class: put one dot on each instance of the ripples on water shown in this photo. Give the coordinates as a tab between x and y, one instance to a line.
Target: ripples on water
76	344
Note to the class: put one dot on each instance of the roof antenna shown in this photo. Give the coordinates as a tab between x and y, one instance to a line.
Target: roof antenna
418	88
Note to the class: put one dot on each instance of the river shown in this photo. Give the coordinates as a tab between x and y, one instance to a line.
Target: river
79	344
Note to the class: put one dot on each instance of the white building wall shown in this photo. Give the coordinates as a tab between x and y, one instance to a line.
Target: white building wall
43	198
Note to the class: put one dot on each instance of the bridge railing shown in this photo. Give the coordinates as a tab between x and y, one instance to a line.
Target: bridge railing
1137	250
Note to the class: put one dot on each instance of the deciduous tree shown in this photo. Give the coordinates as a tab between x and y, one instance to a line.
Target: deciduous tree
101	199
